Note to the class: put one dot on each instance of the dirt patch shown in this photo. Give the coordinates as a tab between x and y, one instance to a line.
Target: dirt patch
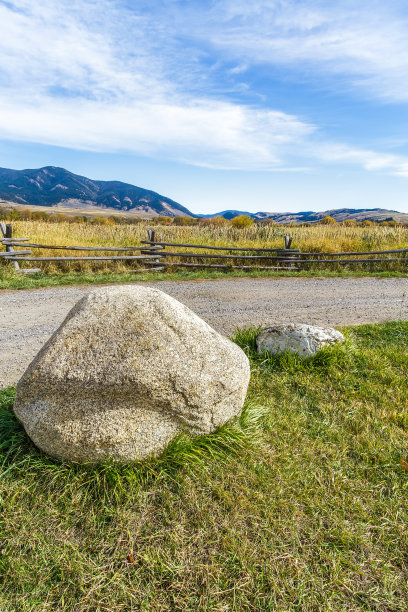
28	318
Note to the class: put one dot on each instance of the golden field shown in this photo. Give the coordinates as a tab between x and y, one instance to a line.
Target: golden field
316	238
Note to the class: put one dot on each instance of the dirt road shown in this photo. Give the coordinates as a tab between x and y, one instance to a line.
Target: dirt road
28	318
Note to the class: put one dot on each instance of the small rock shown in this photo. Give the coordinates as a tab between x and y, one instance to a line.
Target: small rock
128	369
299	338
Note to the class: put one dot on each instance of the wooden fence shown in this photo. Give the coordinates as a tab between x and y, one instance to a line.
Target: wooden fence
148	255
261	258
158	255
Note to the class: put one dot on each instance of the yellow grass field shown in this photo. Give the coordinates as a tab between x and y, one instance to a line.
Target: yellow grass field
316	238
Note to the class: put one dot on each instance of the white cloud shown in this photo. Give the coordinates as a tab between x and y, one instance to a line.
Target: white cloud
212	134
369	160
94	75
108	88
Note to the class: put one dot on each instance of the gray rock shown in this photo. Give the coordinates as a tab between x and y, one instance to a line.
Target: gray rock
299	338
128	369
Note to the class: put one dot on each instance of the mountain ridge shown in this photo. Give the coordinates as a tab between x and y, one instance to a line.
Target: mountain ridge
339	214
55	188
52	186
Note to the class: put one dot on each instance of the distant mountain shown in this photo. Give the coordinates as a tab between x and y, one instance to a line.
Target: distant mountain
51	186
231	214
340	214
56	187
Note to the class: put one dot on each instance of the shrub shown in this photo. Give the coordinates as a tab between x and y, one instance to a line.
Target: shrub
213	221
328	220
163	220
101	221
242	221
184	221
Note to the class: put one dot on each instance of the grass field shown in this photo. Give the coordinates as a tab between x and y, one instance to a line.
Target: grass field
318	238
313	238
300	505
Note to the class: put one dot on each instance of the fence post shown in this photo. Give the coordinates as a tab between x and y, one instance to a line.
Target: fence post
7	231
151	233
294	255
288	242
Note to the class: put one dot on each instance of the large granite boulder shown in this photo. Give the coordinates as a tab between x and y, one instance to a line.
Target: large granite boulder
305	340
128	369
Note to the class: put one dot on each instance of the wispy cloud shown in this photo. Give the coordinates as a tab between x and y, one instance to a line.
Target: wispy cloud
106	76
365	42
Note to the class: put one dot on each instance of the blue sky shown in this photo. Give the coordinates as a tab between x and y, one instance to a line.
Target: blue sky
265	105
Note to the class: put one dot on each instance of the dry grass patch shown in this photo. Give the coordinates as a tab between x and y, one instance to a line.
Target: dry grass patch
317	238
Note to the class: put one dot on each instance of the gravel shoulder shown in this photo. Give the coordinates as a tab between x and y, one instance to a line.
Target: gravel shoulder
28	318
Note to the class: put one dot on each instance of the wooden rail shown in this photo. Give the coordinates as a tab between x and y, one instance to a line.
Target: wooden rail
348	261
12	254
108	258
74	248
177	264
210	256
357	253
213	248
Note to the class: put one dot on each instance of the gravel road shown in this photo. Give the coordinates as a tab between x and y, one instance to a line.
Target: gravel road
28	318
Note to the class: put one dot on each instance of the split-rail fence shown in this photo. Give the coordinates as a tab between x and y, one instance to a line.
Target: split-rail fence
157	255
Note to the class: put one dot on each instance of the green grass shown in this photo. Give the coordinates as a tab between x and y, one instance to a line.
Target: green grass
300	505
11	280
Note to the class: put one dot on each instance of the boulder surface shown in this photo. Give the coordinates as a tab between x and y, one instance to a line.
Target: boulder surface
128	369
299	338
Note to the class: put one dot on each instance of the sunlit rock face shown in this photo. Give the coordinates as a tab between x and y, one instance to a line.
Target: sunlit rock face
305	340
128	369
